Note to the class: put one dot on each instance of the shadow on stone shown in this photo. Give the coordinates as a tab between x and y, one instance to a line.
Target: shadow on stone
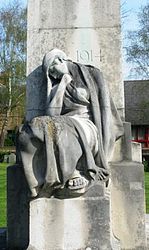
2	238
17	208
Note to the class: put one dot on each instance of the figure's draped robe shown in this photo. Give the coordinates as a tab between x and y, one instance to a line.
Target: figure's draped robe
65	140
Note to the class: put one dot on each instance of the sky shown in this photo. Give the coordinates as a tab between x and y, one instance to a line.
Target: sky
130	22
3	2
133	7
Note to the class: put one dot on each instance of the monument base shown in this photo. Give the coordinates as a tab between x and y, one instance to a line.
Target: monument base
128	204
72	224
57	224
81	223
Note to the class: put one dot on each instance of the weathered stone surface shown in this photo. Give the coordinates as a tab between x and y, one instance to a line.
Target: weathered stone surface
92	39
79	223
136	152
128	206
76	17
87	53
127	194
55	224
123	147
147	228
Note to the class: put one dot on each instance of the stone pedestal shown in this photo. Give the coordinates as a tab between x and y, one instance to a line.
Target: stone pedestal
128	204
79	223
127	193
57	224
73	224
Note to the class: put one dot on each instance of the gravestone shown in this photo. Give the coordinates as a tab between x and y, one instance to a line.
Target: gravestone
6	158
12	158
89	32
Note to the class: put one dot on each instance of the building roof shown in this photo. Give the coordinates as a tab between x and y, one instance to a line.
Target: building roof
137	102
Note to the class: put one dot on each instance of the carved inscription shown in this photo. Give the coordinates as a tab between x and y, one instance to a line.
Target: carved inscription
84	55
87	56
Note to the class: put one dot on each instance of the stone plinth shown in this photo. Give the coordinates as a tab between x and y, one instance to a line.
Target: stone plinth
127	193
87	31
128	204
73	224
57	224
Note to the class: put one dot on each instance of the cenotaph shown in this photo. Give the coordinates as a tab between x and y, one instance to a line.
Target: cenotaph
79	211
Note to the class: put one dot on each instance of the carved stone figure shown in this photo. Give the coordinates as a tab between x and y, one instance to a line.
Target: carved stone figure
68	149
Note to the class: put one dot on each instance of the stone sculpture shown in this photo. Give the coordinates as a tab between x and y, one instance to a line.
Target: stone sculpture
68	150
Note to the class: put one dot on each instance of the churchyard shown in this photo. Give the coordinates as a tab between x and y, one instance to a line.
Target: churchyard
74	136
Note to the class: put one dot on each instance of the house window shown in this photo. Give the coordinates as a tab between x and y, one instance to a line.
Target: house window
141	134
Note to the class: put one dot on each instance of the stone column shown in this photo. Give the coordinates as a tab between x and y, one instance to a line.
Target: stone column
88	31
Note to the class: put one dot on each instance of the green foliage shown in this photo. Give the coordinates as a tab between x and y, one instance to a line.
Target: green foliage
10	139
138	49
8	142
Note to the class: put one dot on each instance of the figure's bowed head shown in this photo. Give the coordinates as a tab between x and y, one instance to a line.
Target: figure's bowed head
54	64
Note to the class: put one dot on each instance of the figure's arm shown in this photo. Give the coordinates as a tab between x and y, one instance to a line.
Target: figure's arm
55	106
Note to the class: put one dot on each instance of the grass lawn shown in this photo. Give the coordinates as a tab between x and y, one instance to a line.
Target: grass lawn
147	191
3	167
3	194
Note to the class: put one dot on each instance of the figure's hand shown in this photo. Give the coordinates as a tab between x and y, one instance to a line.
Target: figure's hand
66	79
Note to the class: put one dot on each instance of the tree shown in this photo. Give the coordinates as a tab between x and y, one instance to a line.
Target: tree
13	29
138	49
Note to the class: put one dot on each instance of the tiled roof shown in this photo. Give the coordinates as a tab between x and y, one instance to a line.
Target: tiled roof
137	101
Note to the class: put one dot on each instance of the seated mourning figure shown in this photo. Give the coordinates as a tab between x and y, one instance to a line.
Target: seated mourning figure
70	146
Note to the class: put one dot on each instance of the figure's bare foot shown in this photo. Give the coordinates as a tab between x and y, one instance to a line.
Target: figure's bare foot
78	183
